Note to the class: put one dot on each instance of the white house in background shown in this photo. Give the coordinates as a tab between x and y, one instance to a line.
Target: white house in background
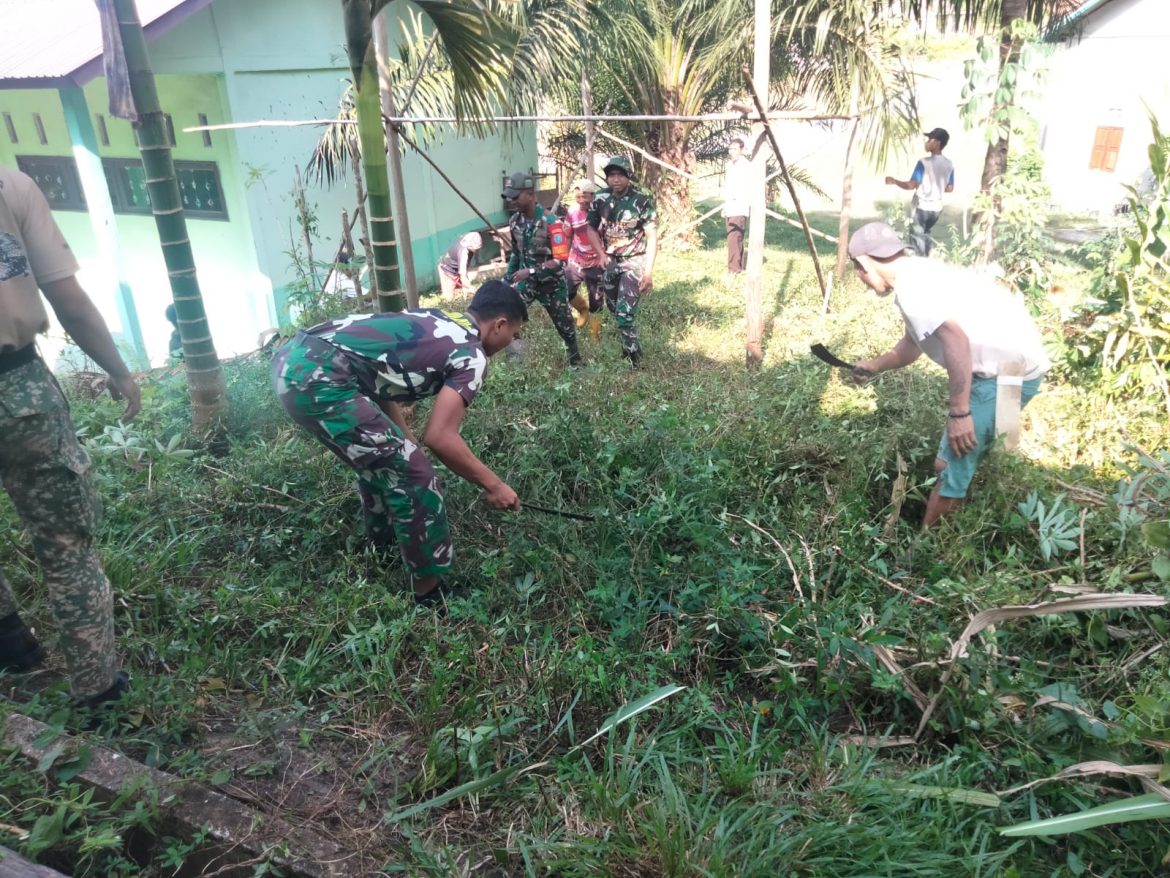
1108	73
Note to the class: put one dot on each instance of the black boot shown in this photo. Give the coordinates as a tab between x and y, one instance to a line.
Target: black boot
20	651
97	710
117	689
635	358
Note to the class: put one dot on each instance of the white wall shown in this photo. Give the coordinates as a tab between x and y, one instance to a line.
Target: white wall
1101	80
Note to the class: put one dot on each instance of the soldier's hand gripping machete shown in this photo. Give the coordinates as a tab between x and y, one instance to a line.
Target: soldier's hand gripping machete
524	504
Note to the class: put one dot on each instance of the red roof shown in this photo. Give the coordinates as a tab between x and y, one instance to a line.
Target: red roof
52	43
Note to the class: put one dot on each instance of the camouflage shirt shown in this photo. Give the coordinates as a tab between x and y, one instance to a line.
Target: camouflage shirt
405	356
622	222
532	246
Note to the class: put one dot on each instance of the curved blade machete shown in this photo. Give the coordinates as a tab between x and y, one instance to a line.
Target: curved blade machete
524	504
823	354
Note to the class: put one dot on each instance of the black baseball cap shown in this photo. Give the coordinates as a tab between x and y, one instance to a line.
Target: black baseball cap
939	134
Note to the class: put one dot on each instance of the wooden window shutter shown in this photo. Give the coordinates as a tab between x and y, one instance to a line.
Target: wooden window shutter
1112	148
1106	146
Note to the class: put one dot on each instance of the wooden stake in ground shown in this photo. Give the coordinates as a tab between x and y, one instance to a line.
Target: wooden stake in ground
306	225
812	248
753	295
347	238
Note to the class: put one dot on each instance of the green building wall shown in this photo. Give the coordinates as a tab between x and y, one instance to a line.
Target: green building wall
261	60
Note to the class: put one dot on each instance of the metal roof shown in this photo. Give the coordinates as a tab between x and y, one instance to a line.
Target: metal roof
1067	22
53	43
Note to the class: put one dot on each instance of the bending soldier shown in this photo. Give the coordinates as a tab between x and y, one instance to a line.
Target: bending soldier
344	381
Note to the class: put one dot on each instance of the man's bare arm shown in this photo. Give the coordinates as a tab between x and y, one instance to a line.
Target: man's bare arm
80	318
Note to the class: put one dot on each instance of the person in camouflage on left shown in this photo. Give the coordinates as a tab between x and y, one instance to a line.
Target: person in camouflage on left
531	266
43	469
344	380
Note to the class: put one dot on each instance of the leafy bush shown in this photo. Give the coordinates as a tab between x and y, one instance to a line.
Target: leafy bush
1129	332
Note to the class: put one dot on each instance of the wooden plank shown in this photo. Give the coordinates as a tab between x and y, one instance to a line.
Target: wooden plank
13	865
237	837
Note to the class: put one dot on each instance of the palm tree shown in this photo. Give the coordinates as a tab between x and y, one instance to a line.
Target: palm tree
473	41
667	58
125	51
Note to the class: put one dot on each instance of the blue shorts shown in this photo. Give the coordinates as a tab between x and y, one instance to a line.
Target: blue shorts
956	478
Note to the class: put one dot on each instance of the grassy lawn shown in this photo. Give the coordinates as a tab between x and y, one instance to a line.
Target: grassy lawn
745	546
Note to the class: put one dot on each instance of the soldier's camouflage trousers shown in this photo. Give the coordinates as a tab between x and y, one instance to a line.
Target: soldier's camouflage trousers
555	300
620	285
46	474
400	492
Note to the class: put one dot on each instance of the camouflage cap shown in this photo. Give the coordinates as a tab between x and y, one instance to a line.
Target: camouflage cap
621	163
518	182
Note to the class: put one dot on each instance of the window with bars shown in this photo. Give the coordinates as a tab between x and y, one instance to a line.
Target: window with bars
56	176
199	185
1106	146
199	188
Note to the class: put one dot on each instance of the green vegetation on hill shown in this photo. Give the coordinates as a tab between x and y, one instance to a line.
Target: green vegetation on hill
743	547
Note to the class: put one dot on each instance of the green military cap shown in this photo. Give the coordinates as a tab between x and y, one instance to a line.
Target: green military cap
517	183
621	163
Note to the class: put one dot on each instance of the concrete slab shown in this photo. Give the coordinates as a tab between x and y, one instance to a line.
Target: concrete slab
13	865
235	834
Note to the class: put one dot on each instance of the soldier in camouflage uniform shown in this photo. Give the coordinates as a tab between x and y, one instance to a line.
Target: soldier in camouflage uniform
627	222
344	380
42	467
531	266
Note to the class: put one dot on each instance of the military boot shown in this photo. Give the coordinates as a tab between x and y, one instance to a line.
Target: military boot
20	651
595	327
581	304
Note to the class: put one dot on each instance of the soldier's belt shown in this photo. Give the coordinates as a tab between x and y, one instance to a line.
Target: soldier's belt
10	360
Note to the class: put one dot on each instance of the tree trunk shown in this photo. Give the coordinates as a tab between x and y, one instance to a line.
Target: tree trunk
846	204
995	162
394	156
364	65
673	190
753	293
205	380
847	191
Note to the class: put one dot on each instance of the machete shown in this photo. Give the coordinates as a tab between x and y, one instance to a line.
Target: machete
823	354
524	504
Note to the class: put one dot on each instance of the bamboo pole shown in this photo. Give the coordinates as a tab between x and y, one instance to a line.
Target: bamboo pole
504	242
645	154
753	286
427	120
590	130
814	232
205	381
812	247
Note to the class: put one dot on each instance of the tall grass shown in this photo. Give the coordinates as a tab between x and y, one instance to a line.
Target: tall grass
737	548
